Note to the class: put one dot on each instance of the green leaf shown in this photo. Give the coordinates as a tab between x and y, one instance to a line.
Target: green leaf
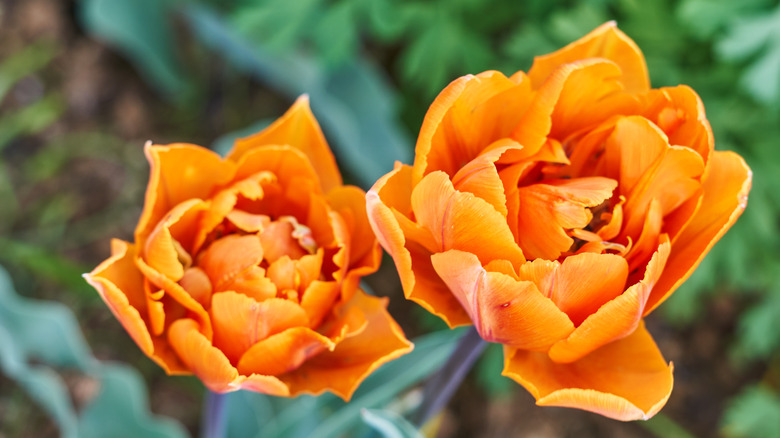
142	30
46	264
120	409
31	119
24	62
753	413
489	369
429	354
276	25
224	143
46	331
389	424
355	104
664	427
323	416
40	382
758	329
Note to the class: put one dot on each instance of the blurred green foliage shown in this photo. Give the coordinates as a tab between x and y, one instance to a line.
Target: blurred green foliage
372	67
39	339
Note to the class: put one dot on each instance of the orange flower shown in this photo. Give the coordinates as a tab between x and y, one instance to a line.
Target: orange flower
555	209
245	270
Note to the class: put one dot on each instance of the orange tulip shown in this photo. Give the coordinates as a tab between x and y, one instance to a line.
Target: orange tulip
245	270
555	209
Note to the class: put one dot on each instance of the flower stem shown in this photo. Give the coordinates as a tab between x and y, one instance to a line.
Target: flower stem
213	421
442	385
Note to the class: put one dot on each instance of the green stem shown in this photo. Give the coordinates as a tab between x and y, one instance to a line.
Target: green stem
213	422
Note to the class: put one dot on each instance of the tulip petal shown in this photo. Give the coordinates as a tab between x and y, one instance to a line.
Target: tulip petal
229	257
163	251
263	384
121	287
356	356
277	241
463	221
297	128
178	173
240	322
206	361
178	294
350	203
283	352
726	185
617	318
606	41
590	94
679	112
318	300
625	380
253	283
548	209
584	282
469	115
503	309
480	177
420	282
197	284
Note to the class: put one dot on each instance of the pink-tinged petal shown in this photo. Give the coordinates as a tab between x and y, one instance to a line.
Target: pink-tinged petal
625	380
584	282
607	42
726	185
485	109
229	257
283	352
240	322
121	286
297	128
503	309
463	221
206	361
391	195
615	319
356	356
179	172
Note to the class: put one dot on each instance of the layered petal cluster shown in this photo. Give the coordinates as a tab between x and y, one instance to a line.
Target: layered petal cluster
554	209
245	270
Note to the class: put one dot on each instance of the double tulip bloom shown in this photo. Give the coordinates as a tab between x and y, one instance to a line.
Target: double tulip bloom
554	210
245	270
